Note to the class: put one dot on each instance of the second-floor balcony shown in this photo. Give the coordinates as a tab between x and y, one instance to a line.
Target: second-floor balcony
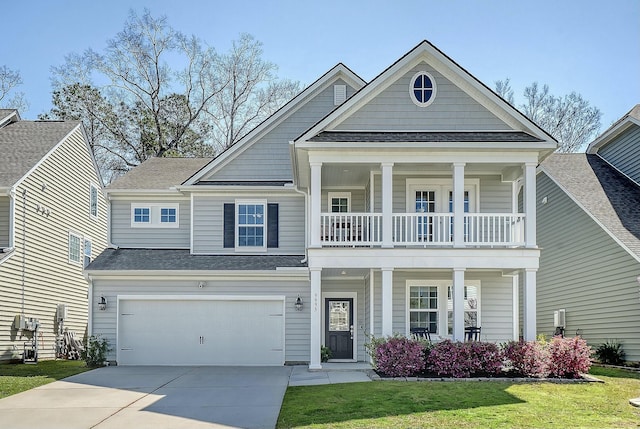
422	229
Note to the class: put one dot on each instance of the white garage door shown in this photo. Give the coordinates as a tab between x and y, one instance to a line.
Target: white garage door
200	332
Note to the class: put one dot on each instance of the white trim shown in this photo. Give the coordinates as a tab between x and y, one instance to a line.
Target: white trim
595	219
442	187
332	195
222	275
443	301
611	133
433	89
84	250
80	254
263	248
93	186
339	295
191	220
155	210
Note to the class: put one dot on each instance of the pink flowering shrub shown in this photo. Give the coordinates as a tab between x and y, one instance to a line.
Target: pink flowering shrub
526	358
568	357
461	360
400	357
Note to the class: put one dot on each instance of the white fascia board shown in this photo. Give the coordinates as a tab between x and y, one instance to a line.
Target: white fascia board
340	71
427	52
52	150
13	116
369	156
611	133
222	189
140	192
401	146
437	258
200	275
584	209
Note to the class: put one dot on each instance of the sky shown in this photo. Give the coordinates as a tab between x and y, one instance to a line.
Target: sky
587	46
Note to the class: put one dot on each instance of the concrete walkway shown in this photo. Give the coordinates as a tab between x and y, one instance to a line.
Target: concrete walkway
331	373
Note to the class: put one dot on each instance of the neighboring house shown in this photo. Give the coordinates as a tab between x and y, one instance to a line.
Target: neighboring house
356	209
589	232
53	221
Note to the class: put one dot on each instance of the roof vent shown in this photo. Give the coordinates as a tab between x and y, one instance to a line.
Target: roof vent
339	94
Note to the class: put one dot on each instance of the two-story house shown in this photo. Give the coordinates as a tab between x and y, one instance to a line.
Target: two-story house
589	228
356	209
53	222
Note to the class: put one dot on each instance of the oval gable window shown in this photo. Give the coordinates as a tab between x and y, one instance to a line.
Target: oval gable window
423	89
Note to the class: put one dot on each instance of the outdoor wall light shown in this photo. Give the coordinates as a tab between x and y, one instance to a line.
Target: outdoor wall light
298	303
201	285
102	303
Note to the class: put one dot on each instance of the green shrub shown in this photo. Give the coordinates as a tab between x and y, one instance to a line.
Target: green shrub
325	354
610	353
95	351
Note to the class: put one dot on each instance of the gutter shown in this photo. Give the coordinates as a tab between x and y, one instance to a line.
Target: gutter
294	167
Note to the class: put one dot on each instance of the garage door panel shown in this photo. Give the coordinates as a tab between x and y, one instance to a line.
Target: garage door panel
201	332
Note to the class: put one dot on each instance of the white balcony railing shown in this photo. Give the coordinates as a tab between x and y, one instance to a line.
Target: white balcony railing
422	229
351	229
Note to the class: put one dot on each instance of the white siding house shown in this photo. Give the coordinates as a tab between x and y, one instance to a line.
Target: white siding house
357	209
53	221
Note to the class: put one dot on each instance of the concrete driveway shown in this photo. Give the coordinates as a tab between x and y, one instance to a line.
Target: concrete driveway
152	397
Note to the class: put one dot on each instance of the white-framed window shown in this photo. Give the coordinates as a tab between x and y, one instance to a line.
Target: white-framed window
93	201
471	305
435	195
423	305
155	215
422	89
251	222
339	202
87	251
75	248
430	305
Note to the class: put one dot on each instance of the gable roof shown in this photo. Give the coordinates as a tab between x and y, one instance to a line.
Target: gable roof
631	118
423	136
605	194
159	173
23	144
427	52
339	71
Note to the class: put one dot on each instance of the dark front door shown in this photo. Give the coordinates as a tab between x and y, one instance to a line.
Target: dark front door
339	327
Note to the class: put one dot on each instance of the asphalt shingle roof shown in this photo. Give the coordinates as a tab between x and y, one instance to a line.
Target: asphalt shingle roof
609	196
24	143
160	173
182	260
424	136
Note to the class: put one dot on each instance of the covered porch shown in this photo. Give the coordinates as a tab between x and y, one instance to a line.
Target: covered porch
349	305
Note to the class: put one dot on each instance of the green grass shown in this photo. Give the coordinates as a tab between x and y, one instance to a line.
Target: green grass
466	404
16	378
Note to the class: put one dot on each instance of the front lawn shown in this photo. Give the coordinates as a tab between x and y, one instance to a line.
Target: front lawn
463	404
16	378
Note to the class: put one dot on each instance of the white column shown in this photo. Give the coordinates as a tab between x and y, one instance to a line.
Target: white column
371	303
387	204
458	204
530	204
316	317
516	307
529	315
387	302
458	304
314	215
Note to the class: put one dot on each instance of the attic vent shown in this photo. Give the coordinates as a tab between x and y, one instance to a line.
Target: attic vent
339	94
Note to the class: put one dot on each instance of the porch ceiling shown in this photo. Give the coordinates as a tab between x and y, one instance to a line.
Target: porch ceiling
357	175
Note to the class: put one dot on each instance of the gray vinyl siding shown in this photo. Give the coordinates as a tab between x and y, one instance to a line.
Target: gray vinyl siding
496	302
123	235
297	323
49	278
208	224
584	271
494	195
268	158
5	208
624	153
393	109
357	286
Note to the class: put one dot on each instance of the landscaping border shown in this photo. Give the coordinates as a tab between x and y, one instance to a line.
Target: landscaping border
584	378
